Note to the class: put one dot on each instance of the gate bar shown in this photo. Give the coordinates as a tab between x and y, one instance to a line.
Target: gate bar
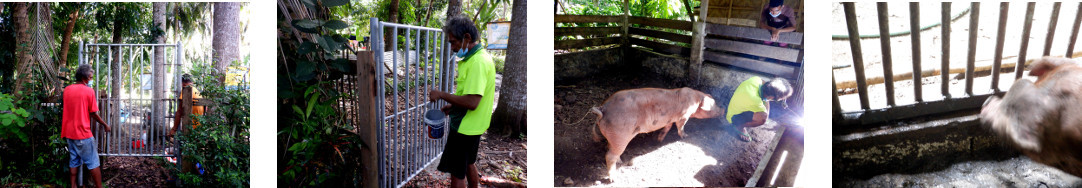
974	16
884	40
1074	32
914	26
1001	32
858	60
945	68
1025	41
1051	29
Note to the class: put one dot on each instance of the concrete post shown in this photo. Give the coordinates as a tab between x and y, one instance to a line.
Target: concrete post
698	31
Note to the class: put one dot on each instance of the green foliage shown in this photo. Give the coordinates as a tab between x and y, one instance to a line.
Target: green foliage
220	144
33	153
313	138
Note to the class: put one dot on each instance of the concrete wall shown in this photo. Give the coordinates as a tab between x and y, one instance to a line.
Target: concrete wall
571	67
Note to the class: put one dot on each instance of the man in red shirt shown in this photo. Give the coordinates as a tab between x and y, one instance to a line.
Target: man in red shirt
79	106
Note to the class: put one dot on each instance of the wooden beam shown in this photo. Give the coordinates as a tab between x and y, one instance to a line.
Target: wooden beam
660	34
586	31
662	47
874	116
750	64
753	33
369	123
784	54
574	44
665	23
562	18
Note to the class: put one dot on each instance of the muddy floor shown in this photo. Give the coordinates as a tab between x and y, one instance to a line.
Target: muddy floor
710	155
501	162
1014	172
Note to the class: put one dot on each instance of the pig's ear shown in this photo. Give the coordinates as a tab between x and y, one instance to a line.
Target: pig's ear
1043	65
1020	114
707	104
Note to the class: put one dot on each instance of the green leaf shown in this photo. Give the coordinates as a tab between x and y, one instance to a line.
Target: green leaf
6	121
336	24
311	103
334	3
298	110
307	25
306	47
305	68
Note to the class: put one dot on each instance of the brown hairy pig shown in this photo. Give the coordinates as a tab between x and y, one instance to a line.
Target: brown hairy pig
1044	118
629	112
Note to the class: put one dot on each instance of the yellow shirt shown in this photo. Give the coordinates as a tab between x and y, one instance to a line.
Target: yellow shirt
477	76
746	98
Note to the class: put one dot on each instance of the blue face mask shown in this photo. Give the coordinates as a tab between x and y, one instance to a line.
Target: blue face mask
775	15
461	53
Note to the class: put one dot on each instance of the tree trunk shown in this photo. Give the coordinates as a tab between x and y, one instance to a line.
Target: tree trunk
509	119
22	46
66	42
388	36
226	37
158	19
454	8
114	66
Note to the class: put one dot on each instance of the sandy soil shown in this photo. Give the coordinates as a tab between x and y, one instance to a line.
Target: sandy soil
710	155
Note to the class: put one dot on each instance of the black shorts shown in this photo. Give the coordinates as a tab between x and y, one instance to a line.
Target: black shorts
459	152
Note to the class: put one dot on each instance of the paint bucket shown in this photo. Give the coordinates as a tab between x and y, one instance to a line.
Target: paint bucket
435	120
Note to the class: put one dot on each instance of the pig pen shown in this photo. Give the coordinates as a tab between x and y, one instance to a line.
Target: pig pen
710	155
932	139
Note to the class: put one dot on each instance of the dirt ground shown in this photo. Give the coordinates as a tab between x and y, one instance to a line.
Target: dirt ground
135	172
1014	172
710	155
500	162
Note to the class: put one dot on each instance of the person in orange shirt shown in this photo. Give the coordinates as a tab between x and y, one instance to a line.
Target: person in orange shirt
186	81
80	105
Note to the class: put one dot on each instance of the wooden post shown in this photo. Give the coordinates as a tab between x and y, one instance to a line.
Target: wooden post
185	121
624	23
698	30
369	123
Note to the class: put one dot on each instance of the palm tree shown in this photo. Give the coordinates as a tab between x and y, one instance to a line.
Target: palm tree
22	46
510	115
226	36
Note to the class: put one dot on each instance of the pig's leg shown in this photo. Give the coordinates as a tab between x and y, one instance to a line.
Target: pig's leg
617	144
664	131
680	126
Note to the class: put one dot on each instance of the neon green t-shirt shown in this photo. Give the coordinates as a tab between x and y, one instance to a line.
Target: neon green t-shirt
477	76
746	98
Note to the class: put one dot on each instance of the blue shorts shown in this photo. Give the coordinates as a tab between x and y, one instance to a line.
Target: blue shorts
83	152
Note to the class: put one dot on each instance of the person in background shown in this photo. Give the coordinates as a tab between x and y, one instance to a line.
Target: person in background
80	105
470	108
777	18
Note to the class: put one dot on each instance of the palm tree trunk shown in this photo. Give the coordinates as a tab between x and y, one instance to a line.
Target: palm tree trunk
158	19
22	48
226	36
509	119
454	8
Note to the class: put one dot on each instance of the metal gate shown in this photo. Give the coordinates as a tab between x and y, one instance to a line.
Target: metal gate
136	96
408	71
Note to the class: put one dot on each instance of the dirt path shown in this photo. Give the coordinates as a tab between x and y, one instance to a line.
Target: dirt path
710	155
135	172
497	160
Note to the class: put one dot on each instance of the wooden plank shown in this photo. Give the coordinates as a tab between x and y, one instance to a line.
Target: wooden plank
660	34
784	54
586	31
750	64
562	18
753	33
661	47
369	122
658	22
868	117
573	44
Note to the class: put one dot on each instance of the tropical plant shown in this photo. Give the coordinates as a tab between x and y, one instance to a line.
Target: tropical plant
220	145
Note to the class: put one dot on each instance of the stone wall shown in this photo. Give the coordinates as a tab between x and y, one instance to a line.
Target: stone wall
570	67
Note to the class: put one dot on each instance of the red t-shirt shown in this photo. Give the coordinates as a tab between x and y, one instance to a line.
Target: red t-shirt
79	102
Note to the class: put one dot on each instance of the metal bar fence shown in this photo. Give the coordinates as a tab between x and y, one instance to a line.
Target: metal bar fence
138	129
866	115
404	148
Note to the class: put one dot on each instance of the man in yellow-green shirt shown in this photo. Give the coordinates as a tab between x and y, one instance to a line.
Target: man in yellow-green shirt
750	104
470	107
